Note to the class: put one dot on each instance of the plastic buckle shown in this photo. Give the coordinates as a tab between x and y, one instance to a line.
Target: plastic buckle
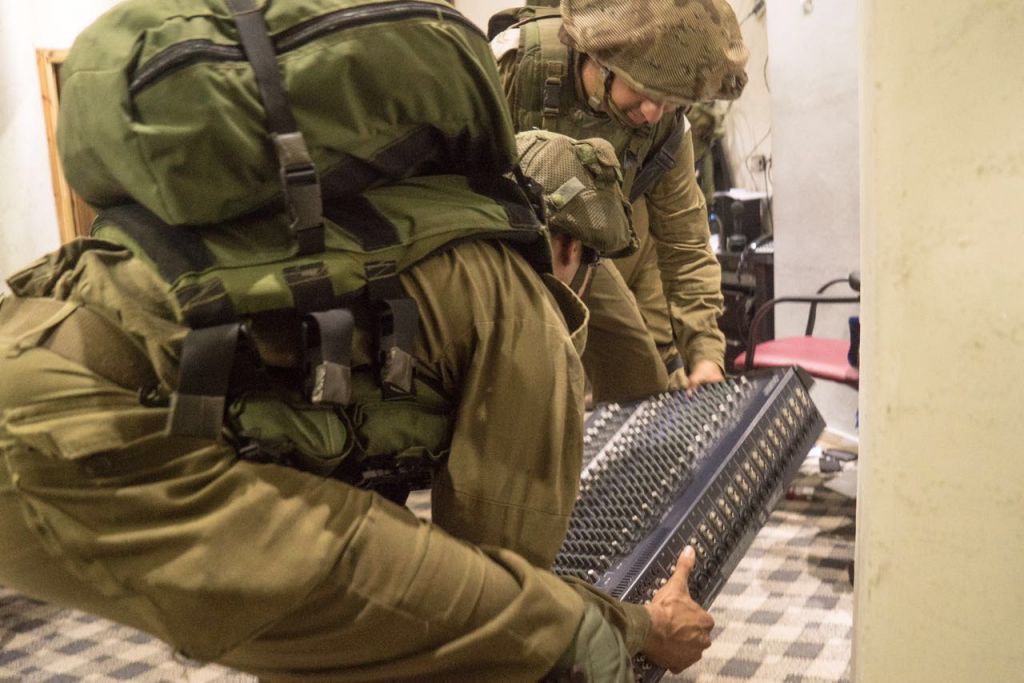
302	190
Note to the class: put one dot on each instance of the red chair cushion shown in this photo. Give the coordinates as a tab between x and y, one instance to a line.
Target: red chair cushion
824	358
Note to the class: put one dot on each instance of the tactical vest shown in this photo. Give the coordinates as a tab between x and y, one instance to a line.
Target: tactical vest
351	404
289	174
544	93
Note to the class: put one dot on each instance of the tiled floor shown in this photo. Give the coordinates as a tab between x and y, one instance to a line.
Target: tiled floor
786	614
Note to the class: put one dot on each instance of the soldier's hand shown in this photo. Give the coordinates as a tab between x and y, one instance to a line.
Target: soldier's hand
703	372
680	628
678	380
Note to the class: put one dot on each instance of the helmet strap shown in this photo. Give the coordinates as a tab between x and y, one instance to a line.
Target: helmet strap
600	98
578	279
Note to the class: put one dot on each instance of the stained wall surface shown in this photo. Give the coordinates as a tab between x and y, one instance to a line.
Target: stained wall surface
940	528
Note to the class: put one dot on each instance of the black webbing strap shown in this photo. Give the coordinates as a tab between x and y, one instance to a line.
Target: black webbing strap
175	251
298	174
663	160
331	371
197	407
554	77
577	280
398	323
534	192
311	288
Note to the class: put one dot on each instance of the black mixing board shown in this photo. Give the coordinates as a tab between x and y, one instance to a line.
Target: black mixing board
675	470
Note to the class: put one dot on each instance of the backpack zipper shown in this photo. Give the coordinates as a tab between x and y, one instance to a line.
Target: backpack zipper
191	52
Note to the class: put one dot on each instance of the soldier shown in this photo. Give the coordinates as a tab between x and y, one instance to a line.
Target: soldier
286	573
625	71
586	213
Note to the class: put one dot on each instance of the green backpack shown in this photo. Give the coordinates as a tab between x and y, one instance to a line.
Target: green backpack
160	104
288	164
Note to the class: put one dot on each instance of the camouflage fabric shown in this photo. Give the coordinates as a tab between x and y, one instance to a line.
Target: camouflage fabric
680	51
582	184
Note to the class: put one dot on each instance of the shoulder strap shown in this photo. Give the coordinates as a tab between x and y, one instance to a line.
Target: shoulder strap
298	174
549	62
663	160
504	19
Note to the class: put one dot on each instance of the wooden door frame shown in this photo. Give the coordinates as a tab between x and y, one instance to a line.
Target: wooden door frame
74	215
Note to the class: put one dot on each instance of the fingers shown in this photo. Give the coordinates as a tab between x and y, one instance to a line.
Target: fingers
684	565
705	371
678	380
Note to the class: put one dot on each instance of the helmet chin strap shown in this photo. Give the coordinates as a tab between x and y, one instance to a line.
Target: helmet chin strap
620	116
577	280
601	99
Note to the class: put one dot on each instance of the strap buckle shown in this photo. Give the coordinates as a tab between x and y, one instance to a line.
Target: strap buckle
302	190
555	75
398	320
330	366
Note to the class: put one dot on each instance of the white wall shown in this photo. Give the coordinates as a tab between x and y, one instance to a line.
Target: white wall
28	218
813	73
748	123
940	533
479	11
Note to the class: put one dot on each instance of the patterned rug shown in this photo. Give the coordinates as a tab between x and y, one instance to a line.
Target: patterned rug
786	613
785	616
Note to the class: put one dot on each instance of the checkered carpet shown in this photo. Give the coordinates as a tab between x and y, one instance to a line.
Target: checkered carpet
786	613
785	616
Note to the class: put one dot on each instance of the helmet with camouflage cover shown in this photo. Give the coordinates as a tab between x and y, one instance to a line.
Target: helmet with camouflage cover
676	51
582	184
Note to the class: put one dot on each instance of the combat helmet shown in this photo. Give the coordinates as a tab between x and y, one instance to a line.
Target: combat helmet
582	187
673	51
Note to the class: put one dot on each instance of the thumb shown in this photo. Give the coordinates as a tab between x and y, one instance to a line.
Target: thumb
684	565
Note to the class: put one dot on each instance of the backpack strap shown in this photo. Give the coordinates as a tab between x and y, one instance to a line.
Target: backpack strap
298	174
663	160
398	323
557	95
554	79
540	57
330	369
197	406
175	252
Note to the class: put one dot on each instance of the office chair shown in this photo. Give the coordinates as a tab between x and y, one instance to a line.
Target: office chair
823	357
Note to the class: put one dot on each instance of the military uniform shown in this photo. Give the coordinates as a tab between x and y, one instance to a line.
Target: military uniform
279	572
674	277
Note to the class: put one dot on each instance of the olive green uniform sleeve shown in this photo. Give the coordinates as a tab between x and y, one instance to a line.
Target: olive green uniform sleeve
691	275
506	354
264	568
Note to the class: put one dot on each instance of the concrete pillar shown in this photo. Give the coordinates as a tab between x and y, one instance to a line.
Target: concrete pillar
940	527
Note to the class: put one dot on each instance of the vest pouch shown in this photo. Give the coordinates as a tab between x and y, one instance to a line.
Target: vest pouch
410	429
270	427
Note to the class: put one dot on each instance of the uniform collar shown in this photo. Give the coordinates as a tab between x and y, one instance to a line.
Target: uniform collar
574	311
